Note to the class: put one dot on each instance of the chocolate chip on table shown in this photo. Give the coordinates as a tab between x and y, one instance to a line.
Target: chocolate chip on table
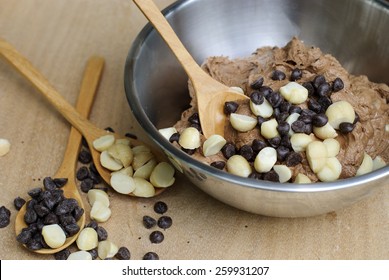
87	185
257	145
278	75
174	138
131	135
102	234
194	118
346	127
150	256
93	224
282	153
165	222
337	85
149	222
84	156
19	202
318	80
230	107
123	254
156	237
296	74
309	87
257	97
5	216
323	89
228	150
293	159
82	173
160	207
218	164
247	152
271	176
319	120
62	255
257	83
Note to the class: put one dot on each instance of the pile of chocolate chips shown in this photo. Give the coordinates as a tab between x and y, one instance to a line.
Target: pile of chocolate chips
164	222
48	205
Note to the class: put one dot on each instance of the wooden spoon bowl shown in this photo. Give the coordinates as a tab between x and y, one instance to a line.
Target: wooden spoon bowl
81	123
210	94
69	163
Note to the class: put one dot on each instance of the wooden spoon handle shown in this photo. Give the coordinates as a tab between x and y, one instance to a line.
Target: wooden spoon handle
24	67
90	83
153	14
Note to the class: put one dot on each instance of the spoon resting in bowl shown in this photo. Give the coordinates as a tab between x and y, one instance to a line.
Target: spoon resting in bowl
139	187
210	94
68	166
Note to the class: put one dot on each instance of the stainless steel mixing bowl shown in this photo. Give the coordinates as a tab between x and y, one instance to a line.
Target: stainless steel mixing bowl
354	31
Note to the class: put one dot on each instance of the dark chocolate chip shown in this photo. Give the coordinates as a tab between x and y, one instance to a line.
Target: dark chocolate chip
188	151
60	182
318	80
298	126
228	150
295	109
309	87
50	219
283	128
257	145
30	216
324	89
296	74
160	207
94	253
156	237
257	97
282	116
123	254
93	224
257	83
315	106
49	184
282	153
260	120
24	236
19	202
109	129
325	102
131	135
278	75
293	159
66	219
305	118
266	90
78	212
35	192
230	107
87	185
308	128
84	156
82	173
5	216
62	255
218	164
41	210
346	127
149	222
247	152
72	229
285	141
285	106
274	99
271	176
174	138
194	119
275	141
150	256
337	85
319	120
197	126
165	222
66	206
102	233
256	175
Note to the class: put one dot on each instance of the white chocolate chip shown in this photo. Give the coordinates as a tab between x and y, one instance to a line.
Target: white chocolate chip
378	163
331	170
333	147
213	145
300	141
340	111
124	141
5	146
140	148
143	188
80	256
325	132
237	89
387	128
98	195
190	138
242	123
291	119
104	142
284	172
264	110
128	171
100	212
87	239
294	93
145	170
53	235
269	129
141	159
106	249
167	132
265	160
316	153
122	153
162	175
122	183
109	162
239	166
366	165
302	179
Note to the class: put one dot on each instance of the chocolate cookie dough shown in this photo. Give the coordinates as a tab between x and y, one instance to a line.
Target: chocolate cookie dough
272	75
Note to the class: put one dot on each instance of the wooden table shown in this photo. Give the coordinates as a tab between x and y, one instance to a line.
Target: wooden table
58	37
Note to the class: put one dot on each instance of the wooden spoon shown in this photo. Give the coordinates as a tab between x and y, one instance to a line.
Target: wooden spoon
210	94
69	163
85	127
